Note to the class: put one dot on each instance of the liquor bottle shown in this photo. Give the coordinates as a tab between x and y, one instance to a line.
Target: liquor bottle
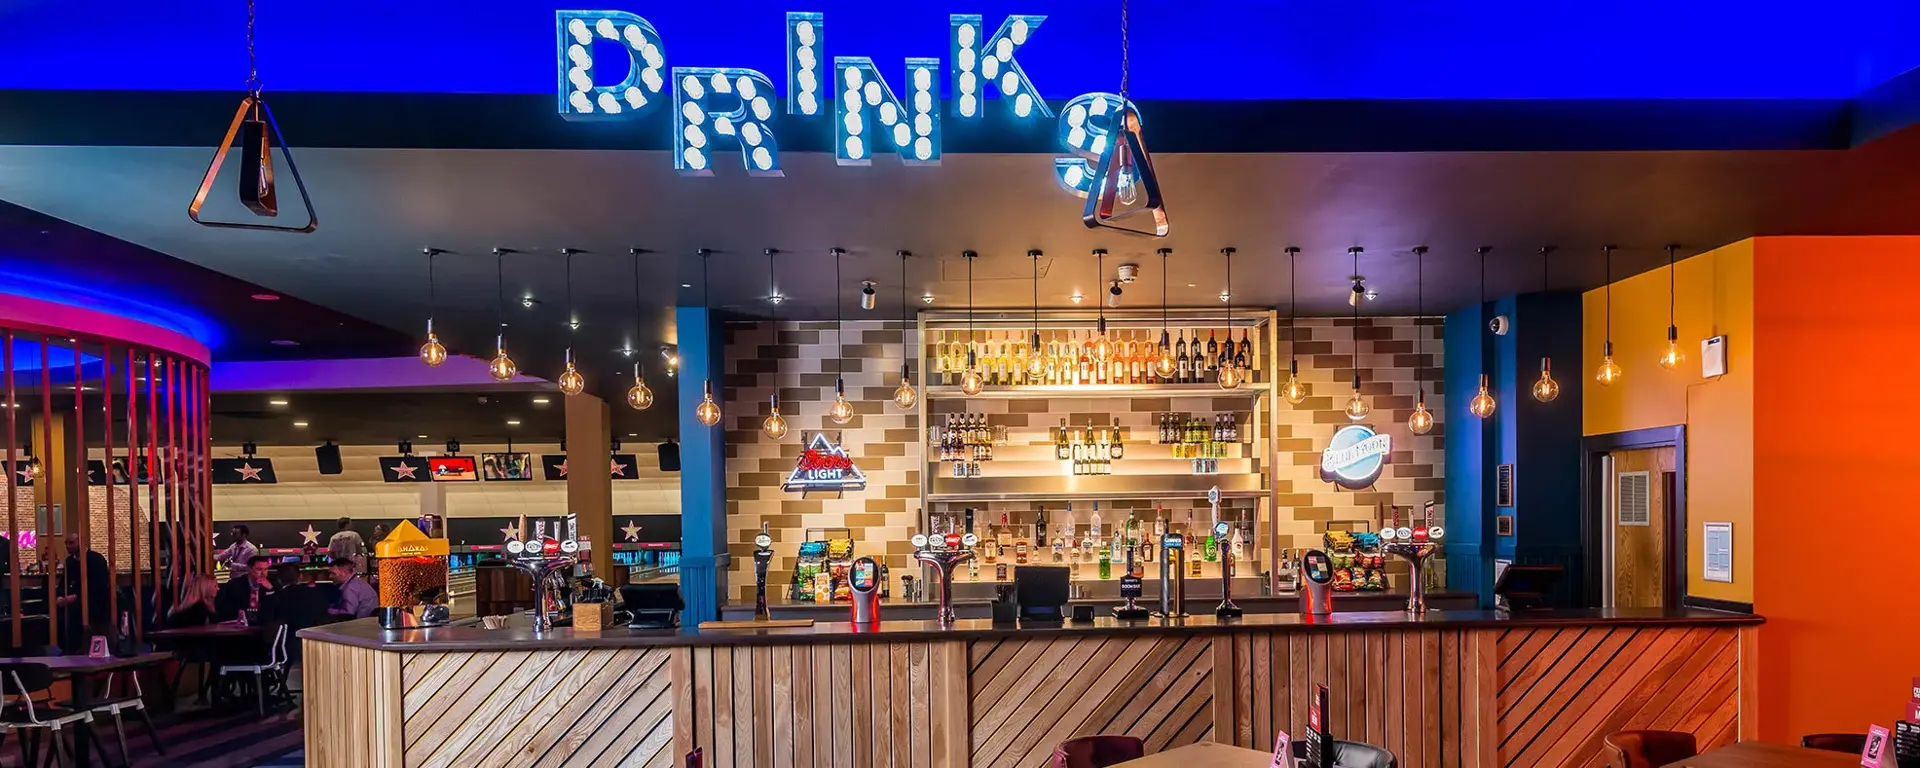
1093	524
1213	353
1211	546
1106	563
1020	550
1039	528
973	569
1237	549
1083	372
1005	362
1243	356
1183	372
1061	449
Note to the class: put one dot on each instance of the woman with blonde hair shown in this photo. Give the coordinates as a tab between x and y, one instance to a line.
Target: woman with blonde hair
196	605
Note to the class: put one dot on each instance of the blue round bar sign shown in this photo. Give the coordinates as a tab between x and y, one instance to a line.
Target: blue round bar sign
1355	457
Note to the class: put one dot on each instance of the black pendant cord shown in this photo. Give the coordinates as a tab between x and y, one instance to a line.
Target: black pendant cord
839	321
1293	356
500	292
1608	250
253	59
573	320
1670	293
1355	252
1164	279
637	364
431	304
905	338
1420	311
1228	252
1035	256
1100	276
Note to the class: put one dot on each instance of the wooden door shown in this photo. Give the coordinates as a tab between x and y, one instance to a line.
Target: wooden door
1637	522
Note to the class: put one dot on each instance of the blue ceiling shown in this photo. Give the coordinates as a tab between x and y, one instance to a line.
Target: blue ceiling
1191	49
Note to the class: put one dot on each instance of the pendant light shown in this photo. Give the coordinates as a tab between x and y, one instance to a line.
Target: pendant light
1609	370
841	411
775	426
501	367
1545	389
1102	346
571	382
258	132
708	411
1672	359
1294	391
1357	408
1036	362
639	396
1164	364
1420	421
971	382
432	353
1229	375
1483	404
904	395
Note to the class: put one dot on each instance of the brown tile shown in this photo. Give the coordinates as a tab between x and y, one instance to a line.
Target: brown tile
885	506
1412	470
1313	513
900	435
889	335
1151	404
1427	484
760	479
904	491
1293	499
886	449
755	365
1391	347
819	381
1028	406
1373	332
1293	444
1337	363
742	493
775	464
865	520
795	338
844	365
793	504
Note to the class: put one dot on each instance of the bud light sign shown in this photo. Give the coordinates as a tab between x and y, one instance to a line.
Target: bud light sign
1355	456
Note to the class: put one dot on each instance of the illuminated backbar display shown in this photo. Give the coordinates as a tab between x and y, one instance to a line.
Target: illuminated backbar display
717	109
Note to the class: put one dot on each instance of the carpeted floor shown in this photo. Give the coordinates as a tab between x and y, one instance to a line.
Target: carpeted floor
203	738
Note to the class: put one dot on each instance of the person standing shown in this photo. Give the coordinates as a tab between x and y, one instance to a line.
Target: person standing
346	543
239	553
99	615
357	598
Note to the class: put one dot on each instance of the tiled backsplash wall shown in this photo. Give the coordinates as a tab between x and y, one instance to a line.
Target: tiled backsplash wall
800	359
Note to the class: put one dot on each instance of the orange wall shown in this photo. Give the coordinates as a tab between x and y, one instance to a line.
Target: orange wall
1714	293
1836	330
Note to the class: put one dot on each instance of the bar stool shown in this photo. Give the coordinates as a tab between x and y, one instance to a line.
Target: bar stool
1098	751
1851	743
1648	749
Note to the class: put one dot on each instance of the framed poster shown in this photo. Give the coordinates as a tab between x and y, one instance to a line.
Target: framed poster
1503	486
1718	552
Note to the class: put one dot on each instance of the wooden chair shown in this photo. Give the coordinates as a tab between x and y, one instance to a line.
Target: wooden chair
1850	743
1097	751
1649	749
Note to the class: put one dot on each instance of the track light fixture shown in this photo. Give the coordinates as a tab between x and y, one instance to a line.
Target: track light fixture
1113	294
867	294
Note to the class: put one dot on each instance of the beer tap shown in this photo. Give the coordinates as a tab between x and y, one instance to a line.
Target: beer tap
1226	609
1415	545
762	555
942	553
1173	576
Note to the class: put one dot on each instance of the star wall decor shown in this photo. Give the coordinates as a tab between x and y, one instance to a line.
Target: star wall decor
631	530
309	536
404	469
619	469
248	471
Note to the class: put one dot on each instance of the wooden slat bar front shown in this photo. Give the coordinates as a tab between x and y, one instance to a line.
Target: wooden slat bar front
1461	689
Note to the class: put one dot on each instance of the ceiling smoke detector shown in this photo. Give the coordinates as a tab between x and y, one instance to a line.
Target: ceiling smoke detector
1127	273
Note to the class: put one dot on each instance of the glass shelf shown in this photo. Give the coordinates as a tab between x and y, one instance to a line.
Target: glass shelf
1091	391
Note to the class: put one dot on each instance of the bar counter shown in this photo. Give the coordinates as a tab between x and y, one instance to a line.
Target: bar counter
1469	688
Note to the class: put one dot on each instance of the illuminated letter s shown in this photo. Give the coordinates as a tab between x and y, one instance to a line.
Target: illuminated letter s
1086	130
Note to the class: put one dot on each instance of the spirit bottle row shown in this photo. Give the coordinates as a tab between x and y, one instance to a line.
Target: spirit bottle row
1072	358
1075	544
1178	428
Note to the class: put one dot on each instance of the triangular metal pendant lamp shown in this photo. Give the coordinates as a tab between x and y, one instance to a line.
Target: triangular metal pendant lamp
1128	160
253	122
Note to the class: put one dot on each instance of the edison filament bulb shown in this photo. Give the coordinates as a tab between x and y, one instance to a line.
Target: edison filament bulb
1609	370
904	395
841	411
1229	376
972	382
432	353
708	411
571	382
1103	347
1546	389
1672	359
1420	421
1295	390
639	396
1036	362
1357	408
776	425
501	367
1483	403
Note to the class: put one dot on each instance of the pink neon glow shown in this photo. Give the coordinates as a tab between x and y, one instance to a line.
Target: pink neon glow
23	312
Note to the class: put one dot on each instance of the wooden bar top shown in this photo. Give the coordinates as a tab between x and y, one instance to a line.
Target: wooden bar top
468	635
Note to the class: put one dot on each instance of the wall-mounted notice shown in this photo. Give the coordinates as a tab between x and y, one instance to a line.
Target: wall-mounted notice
1718	552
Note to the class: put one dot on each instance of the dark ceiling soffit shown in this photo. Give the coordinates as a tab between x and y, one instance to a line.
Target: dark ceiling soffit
1885	108
527	121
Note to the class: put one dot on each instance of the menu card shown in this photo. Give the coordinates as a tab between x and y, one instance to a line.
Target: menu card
1872	755
1319	742
1282	751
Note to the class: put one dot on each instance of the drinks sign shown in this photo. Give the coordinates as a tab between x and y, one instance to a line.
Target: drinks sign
824	466
1355	457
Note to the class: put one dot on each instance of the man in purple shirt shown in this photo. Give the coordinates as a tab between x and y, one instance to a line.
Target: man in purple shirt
357	598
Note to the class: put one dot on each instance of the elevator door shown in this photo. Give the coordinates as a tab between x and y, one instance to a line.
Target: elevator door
1640	483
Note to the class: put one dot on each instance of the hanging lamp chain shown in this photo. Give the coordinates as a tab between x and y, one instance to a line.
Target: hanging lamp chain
1670	286
1126	63
253	59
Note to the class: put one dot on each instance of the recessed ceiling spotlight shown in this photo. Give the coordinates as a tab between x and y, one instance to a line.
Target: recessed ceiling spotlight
266	297
420	437
777	299
513	422
529	302
926	298
686	285
1372	294
540	401
1224	296
284	343
633	434
1190	285
300	424
277	401
1077	298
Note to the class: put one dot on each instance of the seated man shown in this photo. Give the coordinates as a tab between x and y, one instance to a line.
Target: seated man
357	598
249	592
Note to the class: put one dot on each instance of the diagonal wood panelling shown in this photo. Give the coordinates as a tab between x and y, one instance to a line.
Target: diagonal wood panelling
1030	695
826	705
1411	692
1561	690
537	708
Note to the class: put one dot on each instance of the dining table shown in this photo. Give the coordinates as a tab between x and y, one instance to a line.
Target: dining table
1760	754
77	668
204	635
1205	753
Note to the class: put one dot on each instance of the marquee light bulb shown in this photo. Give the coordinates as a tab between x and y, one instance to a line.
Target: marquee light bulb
433	353
1546	389
1609	370
708	411
1483	403
1229	377
1672	359
1420	421
775	426
571	382
1357	408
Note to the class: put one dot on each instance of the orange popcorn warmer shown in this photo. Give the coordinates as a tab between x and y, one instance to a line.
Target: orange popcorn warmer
413	567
